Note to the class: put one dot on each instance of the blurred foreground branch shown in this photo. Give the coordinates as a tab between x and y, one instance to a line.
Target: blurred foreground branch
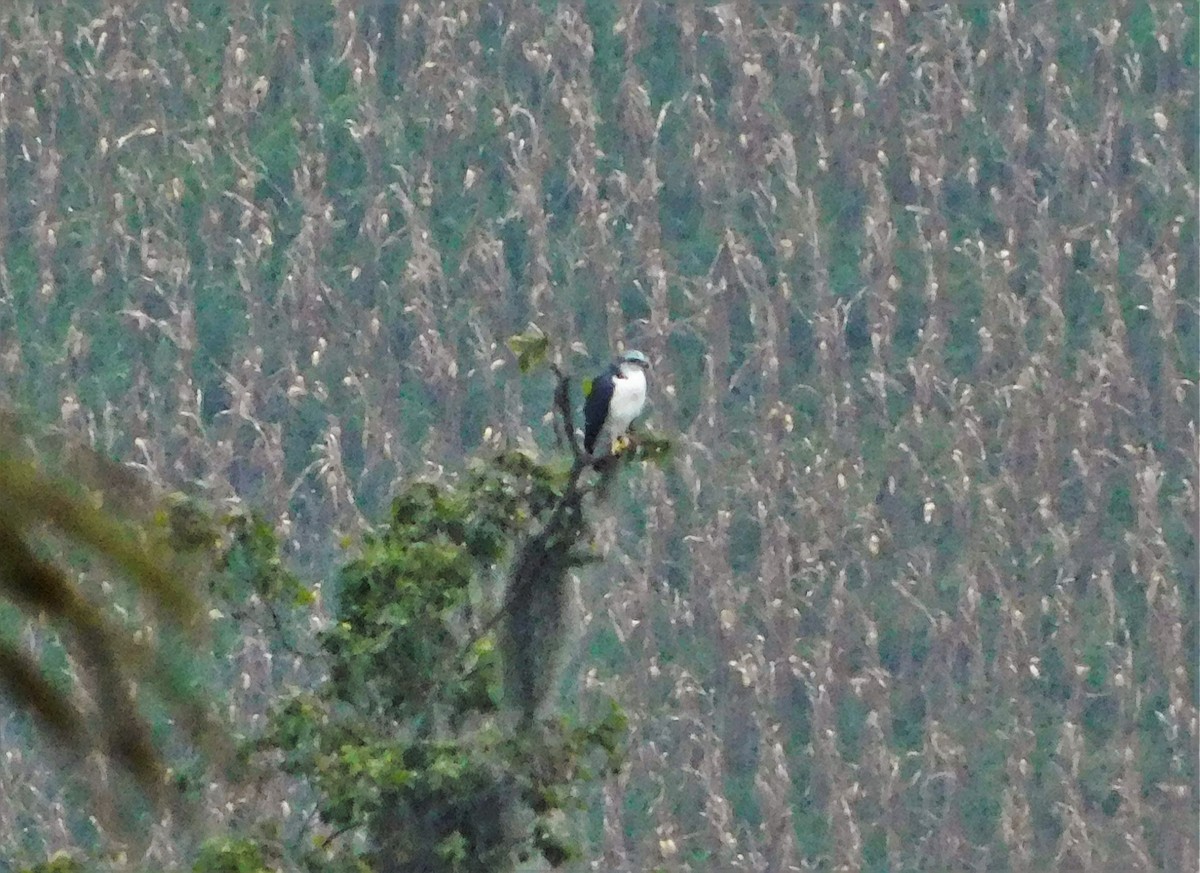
55	527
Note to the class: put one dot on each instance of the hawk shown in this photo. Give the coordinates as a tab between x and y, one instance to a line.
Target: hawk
616	397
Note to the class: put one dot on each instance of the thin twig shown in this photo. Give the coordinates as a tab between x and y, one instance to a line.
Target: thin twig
562	400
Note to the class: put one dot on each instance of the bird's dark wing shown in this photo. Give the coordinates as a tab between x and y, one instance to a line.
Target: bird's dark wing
595	408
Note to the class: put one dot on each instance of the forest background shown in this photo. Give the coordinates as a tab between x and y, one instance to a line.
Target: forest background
917	588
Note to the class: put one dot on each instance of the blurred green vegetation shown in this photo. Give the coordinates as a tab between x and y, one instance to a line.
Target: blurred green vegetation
74	649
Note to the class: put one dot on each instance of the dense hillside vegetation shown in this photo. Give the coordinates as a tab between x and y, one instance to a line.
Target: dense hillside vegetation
917	589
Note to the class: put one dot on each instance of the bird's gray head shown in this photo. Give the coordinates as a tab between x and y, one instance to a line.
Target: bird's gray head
636	358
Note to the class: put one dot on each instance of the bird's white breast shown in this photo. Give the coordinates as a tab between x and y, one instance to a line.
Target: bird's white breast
628	399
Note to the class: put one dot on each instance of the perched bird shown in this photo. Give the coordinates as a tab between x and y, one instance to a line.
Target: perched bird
616	397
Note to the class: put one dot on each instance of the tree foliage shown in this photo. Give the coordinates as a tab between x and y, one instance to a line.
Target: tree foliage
428	738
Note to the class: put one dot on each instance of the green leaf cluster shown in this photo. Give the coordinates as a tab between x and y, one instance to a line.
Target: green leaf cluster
226	855
59	863
408	744
530	348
